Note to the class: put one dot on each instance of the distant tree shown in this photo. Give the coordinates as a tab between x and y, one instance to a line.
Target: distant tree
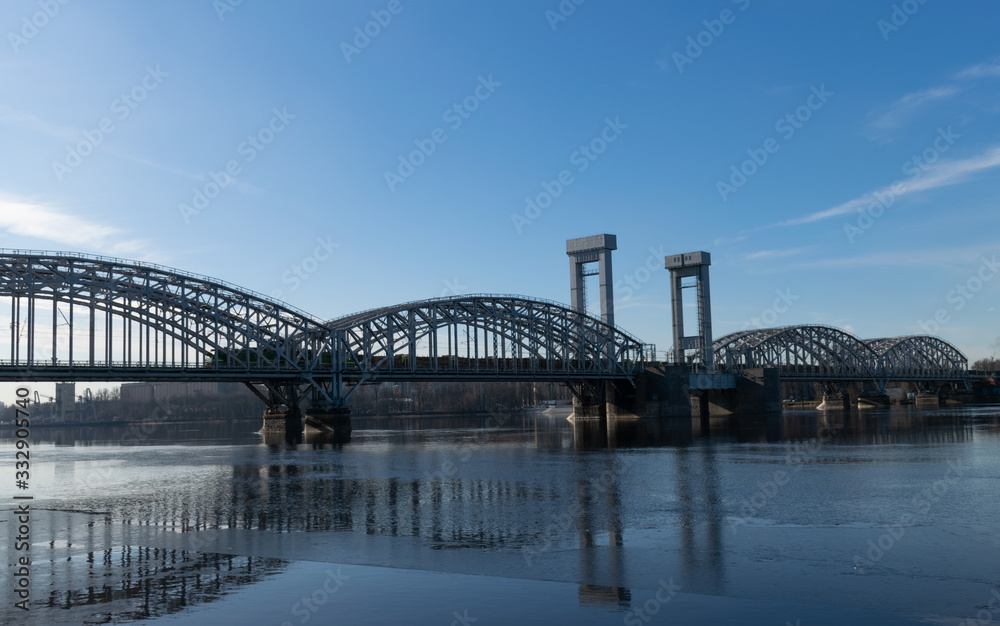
988	364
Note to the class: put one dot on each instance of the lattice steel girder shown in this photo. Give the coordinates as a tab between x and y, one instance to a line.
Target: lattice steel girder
145	308
146	322
921	357
509	332
825	352
832	350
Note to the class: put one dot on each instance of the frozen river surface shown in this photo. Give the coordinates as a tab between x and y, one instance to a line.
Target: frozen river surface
887	516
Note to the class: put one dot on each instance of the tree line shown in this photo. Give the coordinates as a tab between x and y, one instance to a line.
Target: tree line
375	399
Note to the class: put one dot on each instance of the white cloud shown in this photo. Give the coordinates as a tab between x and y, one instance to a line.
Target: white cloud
27	121
942	174
774	254
722	241
901	109
983	70
30	219
957	259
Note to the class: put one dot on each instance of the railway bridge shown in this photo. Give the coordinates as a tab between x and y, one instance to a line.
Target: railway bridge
81	317
75	317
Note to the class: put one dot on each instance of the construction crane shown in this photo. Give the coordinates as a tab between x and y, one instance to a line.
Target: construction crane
86	401
51	405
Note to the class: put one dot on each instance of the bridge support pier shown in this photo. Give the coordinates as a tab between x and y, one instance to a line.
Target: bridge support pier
872	400
758	390
589	401
835	402
282	420
927	399
331	420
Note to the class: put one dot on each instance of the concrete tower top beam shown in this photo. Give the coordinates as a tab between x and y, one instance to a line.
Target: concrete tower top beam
594	242
687	259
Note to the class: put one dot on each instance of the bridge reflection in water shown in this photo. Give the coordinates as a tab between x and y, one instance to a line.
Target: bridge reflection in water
475	490
85	573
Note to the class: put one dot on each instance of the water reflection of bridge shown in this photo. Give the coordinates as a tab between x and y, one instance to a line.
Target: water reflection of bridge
80	571
467	493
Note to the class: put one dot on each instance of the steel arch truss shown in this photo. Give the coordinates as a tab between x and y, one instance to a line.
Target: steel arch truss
75	314
483	337
919	358
823	353
74	317
820	352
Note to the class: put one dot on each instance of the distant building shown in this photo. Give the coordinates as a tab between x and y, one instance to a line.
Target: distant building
65	409
149	392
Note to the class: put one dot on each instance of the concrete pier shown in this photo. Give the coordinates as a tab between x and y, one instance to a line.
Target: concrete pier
328	420
282	421
588	410
757	390
665	391
661	391
928	399
870	401
835	402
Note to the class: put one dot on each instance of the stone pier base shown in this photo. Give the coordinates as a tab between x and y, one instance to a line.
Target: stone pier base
330	420
289	421
834	403
581	411
928	399
873	400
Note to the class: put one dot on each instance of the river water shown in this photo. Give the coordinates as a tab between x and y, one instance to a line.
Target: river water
887	516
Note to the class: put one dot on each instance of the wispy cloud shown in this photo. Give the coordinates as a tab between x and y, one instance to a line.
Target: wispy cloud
724	241
774	254
942	174
957	259
903	109
983	70
69	134
31	219
28	121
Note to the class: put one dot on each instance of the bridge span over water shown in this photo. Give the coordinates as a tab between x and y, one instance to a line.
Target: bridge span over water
82	317
815	353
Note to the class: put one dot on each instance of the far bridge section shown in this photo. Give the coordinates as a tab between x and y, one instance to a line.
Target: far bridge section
838	359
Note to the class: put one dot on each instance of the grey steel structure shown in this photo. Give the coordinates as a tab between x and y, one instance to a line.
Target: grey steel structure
582	252
823	353
80	317
691	265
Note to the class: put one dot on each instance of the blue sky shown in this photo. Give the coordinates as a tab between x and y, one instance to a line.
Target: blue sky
839	159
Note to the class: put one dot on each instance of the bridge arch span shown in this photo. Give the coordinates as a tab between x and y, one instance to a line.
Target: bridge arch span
484	336
918	357
74	316
813	350
71	311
